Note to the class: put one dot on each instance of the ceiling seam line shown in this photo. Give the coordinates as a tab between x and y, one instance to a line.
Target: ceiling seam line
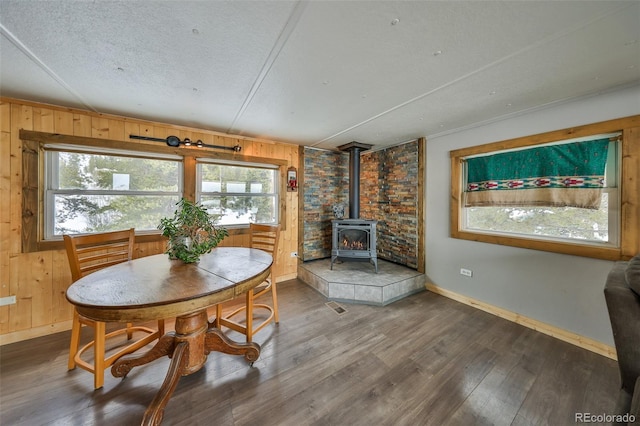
539	43
32	56
533	109
289	26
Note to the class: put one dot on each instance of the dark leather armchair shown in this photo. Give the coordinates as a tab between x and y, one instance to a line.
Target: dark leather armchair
622	294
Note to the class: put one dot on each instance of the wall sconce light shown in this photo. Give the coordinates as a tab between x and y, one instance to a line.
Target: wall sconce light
175	142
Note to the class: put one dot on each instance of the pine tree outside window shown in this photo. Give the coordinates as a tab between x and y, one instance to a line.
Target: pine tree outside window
239	193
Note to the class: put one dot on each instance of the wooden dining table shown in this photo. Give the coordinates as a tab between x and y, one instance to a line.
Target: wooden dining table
155	287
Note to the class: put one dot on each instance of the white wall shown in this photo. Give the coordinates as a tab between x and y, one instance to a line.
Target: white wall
562	290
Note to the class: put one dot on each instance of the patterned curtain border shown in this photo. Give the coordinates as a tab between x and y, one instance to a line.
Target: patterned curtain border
587	198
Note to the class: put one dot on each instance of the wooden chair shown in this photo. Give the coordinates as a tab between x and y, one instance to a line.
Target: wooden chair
87	254
263	237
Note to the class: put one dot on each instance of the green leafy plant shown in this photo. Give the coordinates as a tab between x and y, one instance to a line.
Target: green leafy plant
191	231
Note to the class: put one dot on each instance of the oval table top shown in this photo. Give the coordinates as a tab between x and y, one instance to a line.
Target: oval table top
156	287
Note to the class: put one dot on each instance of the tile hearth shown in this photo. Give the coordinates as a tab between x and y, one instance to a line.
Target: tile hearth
357	282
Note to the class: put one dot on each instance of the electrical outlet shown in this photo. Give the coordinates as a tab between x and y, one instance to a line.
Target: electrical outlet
294	254
9	300
466	272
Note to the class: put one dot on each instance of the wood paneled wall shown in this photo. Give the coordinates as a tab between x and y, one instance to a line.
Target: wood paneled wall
39	280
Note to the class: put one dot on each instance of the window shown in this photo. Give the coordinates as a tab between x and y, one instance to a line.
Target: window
595	225
604	227
89	191
239	193
83	184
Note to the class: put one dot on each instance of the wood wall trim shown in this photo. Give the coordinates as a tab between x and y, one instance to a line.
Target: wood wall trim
630	190
30	187
422	161
548	329
301	189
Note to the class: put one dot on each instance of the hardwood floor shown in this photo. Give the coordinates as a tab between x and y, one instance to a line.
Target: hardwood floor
424	360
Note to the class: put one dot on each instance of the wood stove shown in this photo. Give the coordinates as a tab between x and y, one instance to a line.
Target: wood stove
354	237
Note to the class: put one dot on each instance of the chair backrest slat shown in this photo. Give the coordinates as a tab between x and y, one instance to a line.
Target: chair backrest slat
265	237
89	253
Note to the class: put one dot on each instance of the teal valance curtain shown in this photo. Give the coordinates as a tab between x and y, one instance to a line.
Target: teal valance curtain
569	174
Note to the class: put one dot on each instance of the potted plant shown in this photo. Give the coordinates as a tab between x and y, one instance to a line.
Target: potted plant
191	231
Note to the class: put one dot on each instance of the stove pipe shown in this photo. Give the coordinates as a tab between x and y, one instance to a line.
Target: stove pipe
354	149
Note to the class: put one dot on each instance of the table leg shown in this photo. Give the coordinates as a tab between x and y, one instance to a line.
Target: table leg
188	356
215	340
190	328
155	412
164	347
188	348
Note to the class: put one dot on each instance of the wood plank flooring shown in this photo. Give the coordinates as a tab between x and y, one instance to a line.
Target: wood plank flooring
424	360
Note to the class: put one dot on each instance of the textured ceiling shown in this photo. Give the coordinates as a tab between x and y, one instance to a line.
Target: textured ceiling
317	73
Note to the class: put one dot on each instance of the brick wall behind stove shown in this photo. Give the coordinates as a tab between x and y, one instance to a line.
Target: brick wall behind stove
326	182
388	194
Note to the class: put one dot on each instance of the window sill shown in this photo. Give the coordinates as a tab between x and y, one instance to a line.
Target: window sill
143	237
576	249
59	244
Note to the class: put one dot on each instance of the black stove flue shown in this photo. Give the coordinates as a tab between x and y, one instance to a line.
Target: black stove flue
354	149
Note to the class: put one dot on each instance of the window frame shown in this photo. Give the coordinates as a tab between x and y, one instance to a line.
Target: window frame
612	189
51	179
33	179
629	183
